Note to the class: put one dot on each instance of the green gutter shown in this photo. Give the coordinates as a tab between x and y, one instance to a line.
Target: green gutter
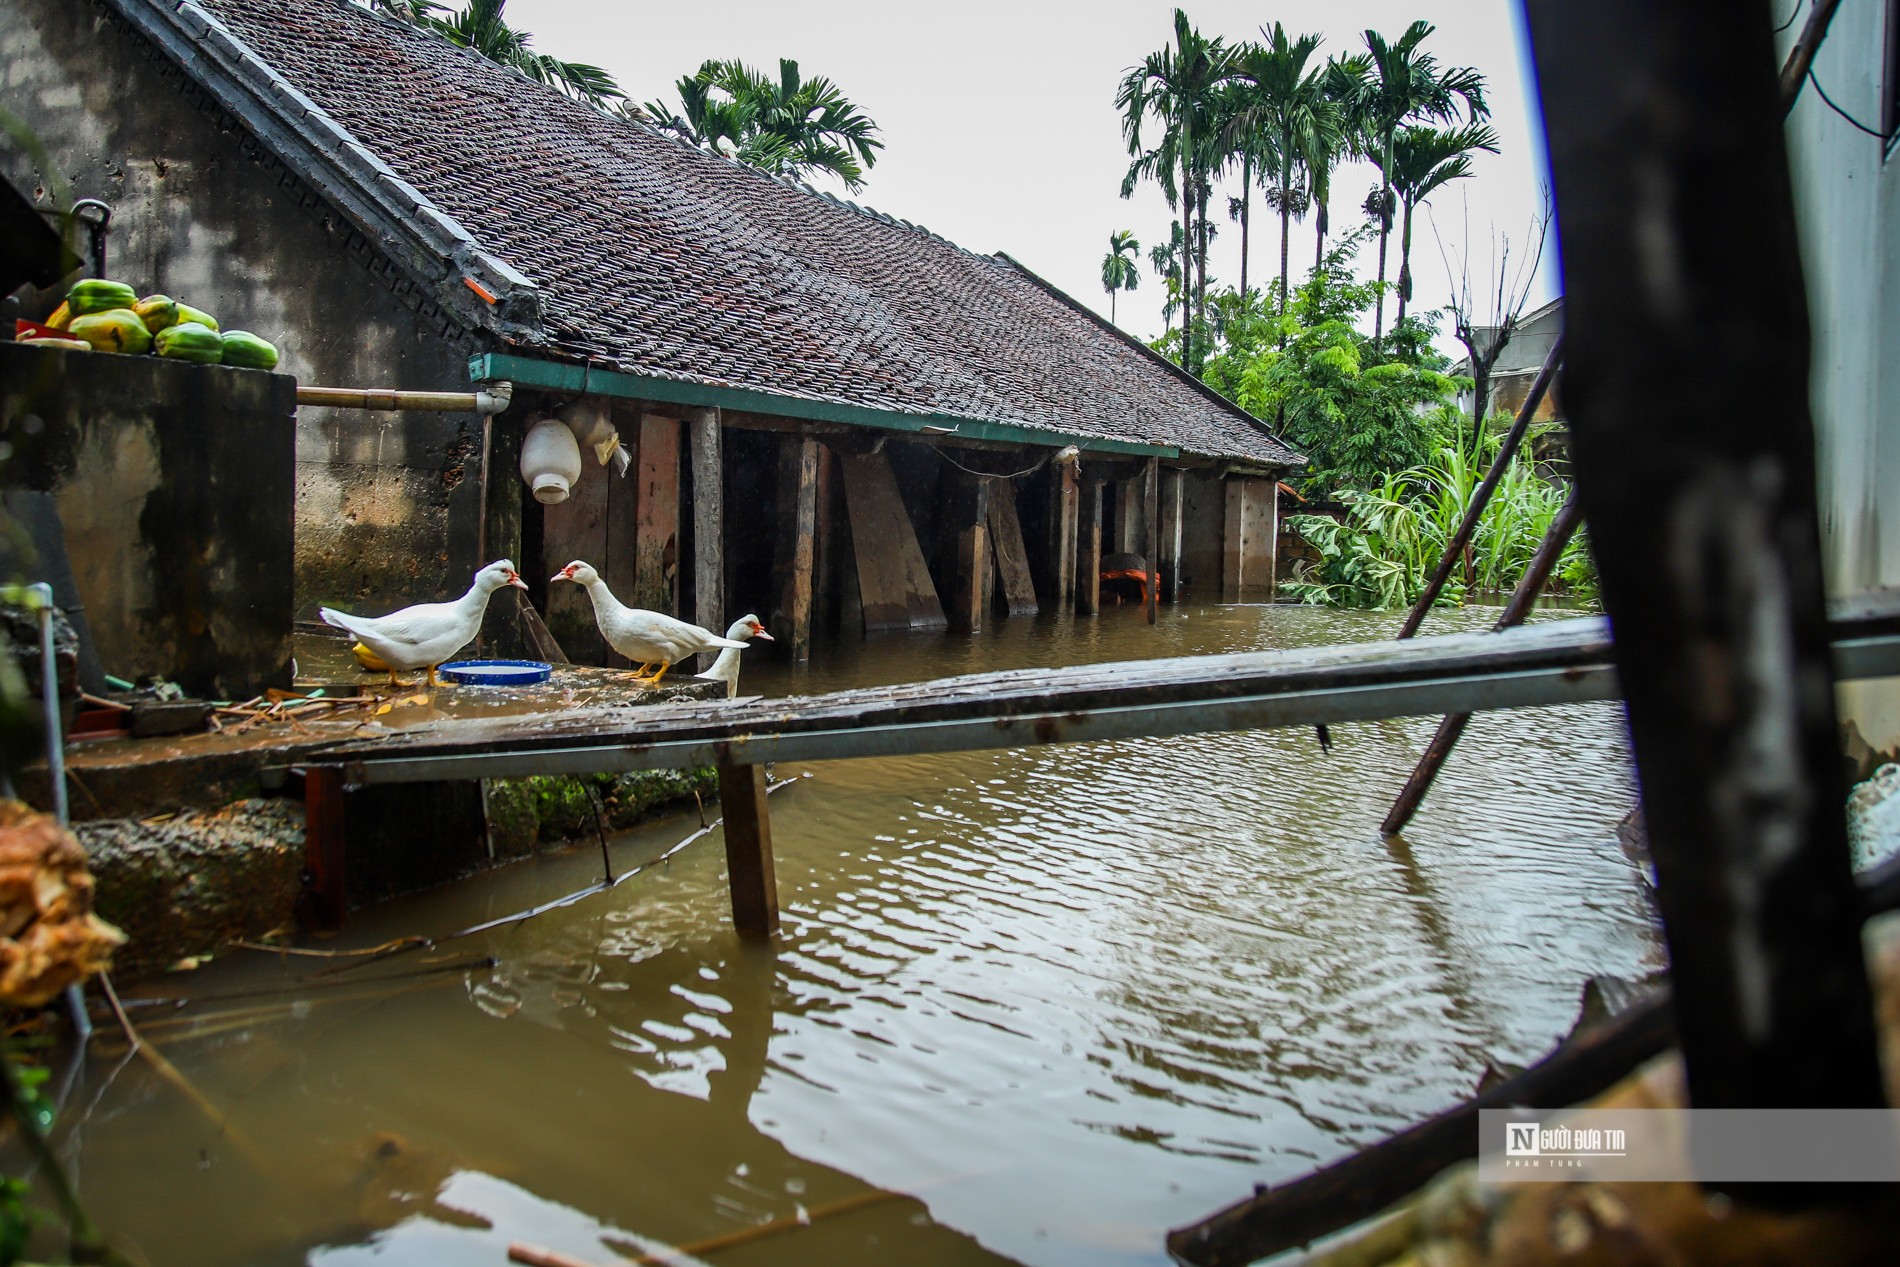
586	380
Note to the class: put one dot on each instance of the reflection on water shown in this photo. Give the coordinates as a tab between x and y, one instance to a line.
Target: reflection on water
1059	999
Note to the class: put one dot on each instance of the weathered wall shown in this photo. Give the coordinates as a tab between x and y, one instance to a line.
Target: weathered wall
1203	528
387	504
1847	196
173	486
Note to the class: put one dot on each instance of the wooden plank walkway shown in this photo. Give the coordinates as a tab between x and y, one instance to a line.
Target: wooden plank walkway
1540	665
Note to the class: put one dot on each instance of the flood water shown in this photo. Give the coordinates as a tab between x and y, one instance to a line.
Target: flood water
1032	1006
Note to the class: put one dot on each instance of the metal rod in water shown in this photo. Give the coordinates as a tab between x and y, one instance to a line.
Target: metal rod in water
56	766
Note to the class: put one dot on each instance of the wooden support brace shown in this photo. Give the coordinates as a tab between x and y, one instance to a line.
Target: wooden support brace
1012	558
323	840
748	848
968	547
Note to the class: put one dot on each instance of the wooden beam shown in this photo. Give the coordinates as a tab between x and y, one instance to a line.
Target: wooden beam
323	847
1249	548
749	867
709	517
797	540
1012	558
1151	521
1088	553
1680	250
1064	514
657	515
894	583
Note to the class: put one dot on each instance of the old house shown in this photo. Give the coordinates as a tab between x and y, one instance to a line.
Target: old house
831	415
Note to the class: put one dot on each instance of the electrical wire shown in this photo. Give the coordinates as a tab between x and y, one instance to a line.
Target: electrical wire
1027	470
1791	17
1883	136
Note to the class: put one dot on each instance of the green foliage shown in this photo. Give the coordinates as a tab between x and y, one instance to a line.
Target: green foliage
1383	551
481	27
1358	410
789	126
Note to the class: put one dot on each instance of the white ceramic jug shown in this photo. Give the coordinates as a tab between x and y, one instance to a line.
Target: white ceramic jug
550	460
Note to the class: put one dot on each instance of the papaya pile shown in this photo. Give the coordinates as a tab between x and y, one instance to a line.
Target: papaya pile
109	316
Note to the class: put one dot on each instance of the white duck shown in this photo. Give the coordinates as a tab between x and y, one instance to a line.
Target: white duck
425	635
646	638
726	667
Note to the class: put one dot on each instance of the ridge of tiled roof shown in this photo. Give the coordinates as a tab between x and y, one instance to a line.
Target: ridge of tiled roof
611	244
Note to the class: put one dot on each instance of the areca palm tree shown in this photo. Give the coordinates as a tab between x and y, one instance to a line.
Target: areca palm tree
1169	259
1121	267
1423	160
1181	88
1399	83
481	27
791	126
1284	102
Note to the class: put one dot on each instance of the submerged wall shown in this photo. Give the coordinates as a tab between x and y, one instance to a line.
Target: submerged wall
387	504
1847	195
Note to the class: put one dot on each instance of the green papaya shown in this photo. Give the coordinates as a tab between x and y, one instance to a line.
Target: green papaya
190	341
241	347
96	295
187	313
157	312
115	330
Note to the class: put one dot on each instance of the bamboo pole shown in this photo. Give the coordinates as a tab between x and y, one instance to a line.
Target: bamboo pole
391	400
1523	599
1481	495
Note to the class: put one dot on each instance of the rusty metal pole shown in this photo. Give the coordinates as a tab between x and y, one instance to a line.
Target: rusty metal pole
1686	382
1481	495
1563	526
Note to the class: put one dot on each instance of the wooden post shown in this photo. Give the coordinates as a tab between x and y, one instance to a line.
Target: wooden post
1173	535
1066	493
1151	519
323	841
657	515
1088	554
1012	558
748	848
1680	250
709	518
966	546
797	535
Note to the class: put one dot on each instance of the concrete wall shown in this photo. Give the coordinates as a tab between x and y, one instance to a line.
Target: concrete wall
173	488
387	504
1845	195
1203	532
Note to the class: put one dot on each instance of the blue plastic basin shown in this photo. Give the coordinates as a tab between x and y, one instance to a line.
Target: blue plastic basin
496	672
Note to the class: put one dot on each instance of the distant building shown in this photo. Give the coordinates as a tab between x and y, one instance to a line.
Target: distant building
1518	364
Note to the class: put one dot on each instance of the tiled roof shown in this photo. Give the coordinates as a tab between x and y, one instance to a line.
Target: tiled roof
613	244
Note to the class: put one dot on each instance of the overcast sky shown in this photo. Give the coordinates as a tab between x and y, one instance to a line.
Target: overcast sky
1000	126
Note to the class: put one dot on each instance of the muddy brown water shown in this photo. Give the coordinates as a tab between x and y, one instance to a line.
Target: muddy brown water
1032	1006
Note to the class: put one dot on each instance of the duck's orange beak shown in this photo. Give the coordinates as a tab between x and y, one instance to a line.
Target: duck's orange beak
565	574
514	578
758	631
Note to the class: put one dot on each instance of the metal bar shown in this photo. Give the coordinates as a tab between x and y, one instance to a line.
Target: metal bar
1556	539
1680	250
1481	495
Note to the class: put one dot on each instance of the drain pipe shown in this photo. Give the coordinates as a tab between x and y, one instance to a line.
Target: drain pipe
42	594
493	399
